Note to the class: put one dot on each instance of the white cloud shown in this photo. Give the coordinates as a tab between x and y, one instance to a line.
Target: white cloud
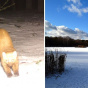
77	29
53	33
49	26
84	10
73	9
75	2
76	7
65	31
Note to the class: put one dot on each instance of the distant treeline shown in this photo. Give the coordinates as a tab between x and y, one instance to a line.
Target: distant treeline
64	42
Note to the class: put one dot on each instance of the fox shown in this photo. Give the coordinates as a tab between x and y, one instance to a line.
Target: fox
8	54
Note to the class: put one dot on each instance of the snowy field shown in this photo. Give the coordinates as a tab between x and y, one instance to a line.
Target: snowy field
27	33
76	70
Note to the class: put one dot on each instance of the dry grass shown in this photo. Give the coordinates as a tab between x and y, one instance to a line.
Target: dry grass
54	62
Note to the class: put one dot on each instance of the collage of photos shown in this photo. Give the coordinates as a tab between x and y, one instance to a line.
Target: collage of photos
43	44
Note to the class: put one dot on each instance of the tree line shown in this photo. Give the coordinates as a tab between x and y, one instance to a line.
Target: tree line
64	42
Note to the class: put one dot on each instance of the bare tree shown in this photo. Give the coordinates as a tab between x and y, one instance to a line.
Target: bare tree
5	6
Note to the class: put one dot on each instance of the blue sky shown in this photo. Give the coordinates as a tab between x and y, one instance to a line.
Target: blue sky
70	15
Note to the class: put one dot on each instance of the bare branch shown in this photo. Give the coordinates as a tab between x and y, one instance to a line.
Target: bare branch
4	8
4	4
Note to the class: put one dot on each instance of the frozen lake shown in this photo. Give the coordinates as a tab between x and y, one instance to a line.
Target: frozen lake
76	70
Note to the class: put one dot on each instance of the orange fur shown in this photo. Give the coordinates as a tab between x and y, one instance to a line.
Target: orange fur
8	60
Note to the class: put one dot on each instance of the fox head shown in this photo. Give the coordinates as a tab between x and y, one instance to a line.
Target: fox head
9	58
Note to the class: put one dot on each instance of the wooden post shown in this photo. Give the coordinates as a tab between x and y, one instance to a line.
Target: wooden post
29	4
40	5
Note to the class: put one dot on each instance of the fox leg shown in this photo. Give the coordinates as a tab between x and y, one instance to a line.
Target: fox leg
15	68
7	70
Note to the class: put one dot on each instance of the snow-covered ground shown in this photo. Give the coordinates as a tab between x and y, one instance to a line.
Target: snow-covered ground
27	33
76	70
